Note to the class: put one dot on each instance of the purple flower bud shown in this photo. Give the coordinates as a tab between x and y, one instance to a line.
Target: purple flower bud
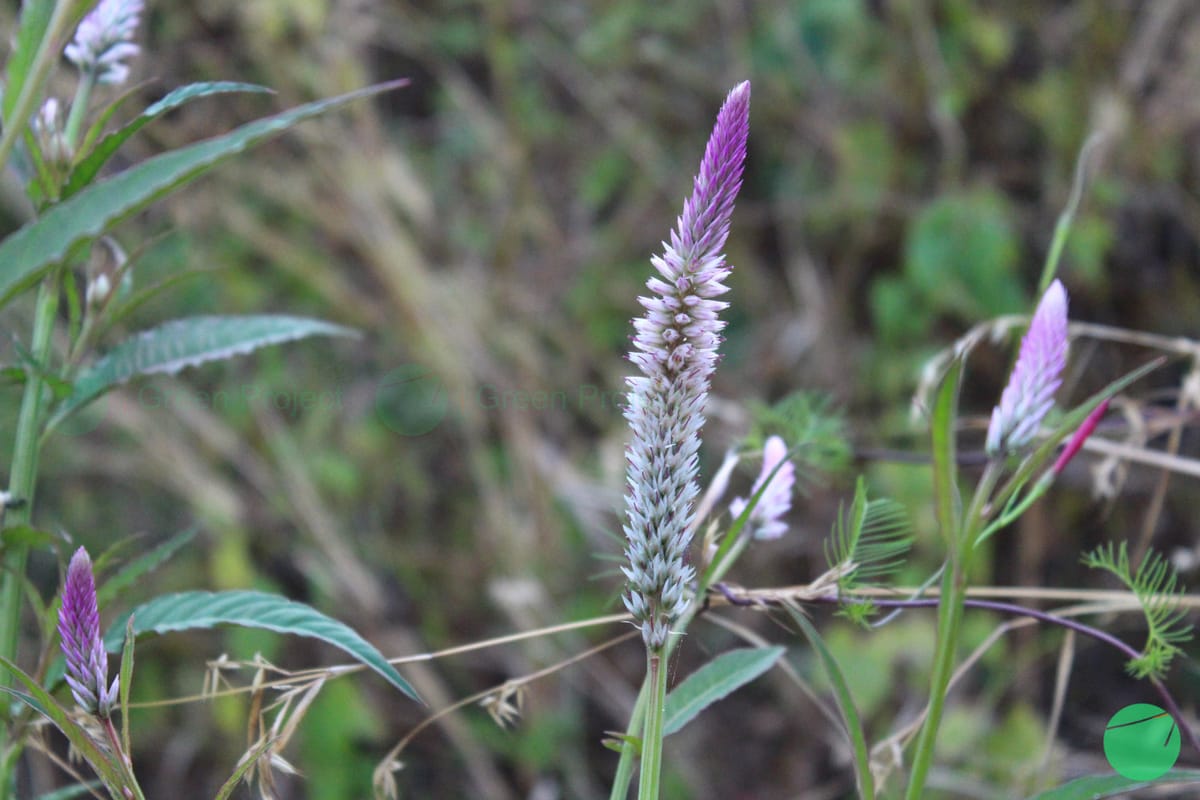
766	520
677	354
79	629
1035	378
1080	436
103	40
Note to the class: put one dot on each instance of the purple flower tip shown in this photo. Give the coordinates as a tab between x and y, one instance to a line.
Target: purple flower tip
1029	395
766	520
79	629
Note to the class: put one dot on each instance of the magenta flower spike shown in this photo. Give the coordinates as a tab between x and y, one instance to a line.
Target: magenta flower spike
766	520
79	629
675	347
103	40
1029	395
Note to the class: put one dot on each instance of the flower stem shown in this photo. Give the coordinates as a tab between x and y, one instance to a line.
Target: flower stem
22	481
47	55
950	614
83	93
652	733
624	773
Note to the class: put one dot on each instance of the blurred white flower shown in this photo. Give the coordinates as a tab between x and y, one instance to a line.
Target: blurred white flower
103	40
766	520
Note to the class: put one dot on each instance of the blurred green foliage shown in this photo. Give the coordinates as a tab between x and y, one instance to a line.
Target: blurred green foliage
492	224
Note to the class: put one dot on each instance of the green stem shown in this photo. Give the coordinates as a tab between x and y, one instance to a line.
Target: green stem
48	53
21	486
950	614
652	738
624	774
83	94
724	559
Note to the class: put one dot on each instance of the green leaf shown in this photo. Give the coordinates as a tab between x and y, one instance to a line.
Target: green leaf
247	762
71	792
714	681
40	701
35	19
1097	787
87	169
945	462
131	572
26	536
854	729
187	343
873	536
126	682
49	239
202	610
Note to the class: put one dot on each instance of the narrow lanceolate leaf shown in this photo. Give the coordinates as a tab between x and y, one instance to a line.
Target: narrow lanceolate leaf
35	19
945	462
72	792
201	610
854	728
714	681
247	761
40	701
87	169
1097	787
190	342
46	241
129	574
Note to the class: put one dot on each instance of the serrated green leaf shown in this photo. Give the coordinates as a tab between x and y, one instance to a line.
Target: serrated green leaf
49	239
714	681
202	610
1098	787
187	343
87	169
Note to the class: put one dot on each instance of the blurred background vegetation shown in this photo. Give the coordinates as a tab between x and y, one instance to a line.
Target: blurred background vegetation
488	230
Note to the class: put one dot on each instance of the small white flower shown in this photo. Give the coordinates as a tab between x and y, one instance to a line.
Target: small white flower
103	40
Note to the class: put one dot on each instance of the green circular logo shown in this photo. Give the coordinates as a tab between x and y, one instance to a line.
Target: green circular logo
1141	742
410	400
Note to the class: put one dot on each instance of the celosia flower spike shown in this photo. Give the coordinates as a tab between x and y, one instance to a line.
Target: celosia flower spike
1035	378
103	40
675	347
79	628
766	520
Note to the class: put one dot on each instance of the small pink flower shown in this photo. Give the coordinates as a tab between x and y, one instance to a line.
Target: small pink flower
1029	395
766	520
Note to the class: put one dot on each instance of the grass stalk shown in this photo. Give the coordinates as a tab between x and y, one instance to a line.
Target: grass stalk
22	481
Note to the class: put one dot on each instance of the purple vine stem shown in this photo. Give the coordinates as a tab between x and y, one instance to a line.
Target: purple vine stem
1016	611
